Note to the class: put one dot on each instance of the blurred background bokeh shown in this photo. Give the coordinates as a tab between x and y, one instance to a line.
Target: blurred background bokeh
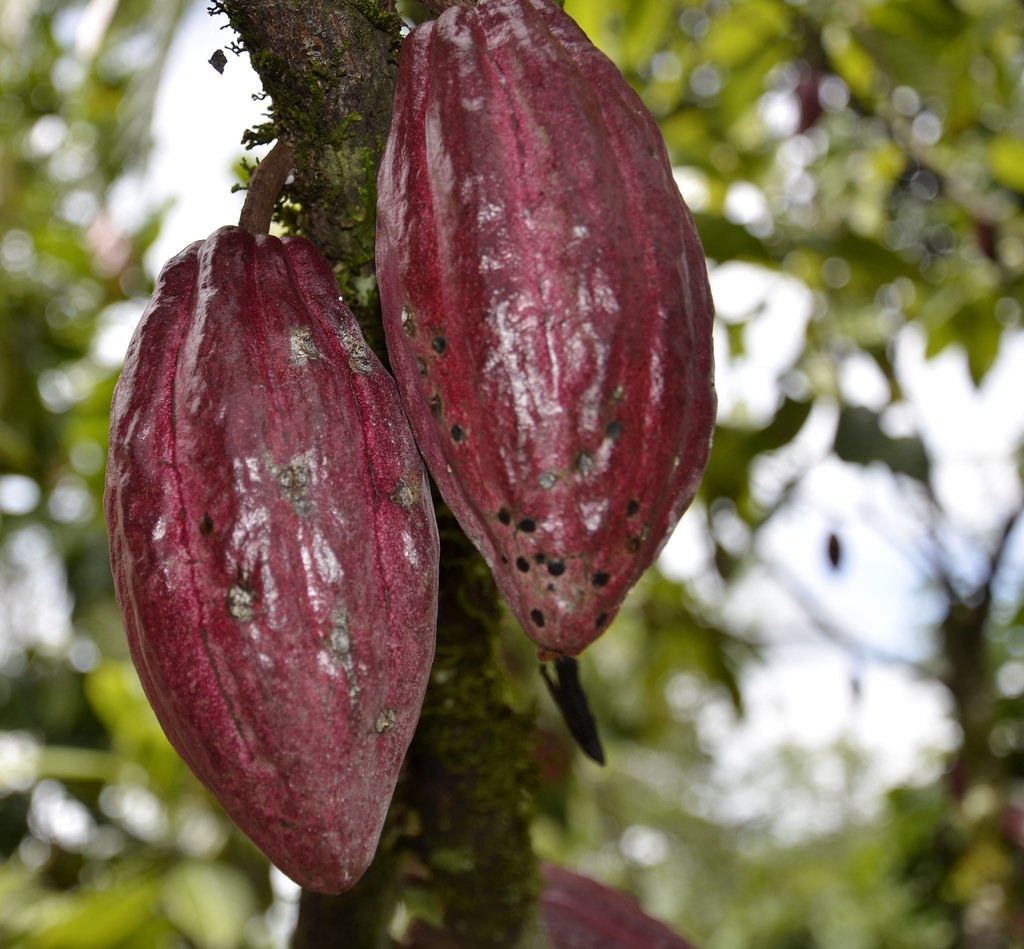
813	709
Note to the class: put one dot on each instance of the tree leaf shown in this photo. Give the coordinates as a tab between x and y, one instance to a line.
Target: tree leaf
98	919
209	902
860	440
1006	161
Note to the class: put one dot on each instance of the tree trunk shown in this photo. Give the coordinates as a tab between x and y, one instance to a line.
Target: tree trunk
459	823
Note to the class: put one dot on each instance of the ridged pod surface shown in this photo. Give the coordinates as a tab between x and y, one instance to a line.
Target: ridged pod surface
547	309
580	913
274	548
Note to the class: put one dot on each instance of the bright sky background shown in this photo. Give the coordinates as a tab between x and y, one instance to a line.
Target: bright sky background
805	694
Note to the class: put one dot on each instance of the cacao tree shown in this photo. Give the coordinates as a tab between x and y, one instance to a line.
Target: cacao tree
868	154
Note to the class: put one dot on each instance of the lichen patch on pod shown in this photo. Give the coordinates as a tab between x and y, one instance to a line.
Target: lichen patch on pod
546	307
274	548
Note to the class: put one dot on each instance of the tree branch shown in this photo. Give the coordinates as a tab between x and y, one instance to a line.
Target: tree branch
329	67
473	774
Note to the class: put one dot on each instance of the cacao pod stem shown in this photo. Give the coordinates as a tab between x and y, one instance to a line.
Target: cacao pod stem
265	184
572	703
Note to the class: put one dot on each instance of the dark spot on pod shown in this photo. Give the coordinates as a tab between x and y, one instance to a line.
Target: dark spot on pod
435	406
556	568
600	579
551	587
613	429
584	463
633	544
422	366
601	620
439	344
527	525
206	525
504	559
457	433
539	558
632	507
522	564
537	616
504	516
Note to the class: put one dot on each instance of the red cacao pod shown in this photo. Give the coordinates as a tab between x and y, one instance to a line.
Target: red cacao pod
274	548
580	913
547	309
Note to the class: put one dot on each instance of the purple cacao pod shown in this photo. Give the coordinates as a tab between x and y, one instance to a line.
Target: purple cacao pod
274	548
580	913
547	309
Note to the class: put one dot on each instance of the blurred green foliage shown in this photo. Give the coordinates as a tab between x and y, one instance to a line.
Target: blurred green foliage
870	155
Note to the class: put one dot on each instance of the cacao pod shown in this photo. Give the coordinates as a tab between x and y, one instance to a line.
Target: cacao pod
580	913
547	309
274	548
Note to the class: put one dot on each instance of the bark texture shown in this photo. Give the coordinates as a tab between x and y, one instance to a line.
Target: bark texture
459	824
329	71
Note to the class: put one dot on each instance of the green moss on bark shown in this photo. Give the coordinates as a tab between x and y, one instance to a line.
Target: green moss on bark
473	773
329	68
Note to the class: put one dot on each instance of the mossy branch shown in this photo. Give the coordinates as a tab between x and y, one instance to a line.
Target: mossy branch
473	774
329	68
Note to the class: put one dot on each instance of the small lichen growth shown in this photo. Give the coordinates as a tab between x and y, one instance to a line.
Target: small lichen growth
359	359
302	346
339	645
406	494
408	321
293	481
385	721
341	642
240	603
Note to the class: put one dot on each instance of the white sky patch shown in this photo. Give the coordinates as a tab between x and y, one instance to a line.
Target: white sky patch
776	309
199	119
813	699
